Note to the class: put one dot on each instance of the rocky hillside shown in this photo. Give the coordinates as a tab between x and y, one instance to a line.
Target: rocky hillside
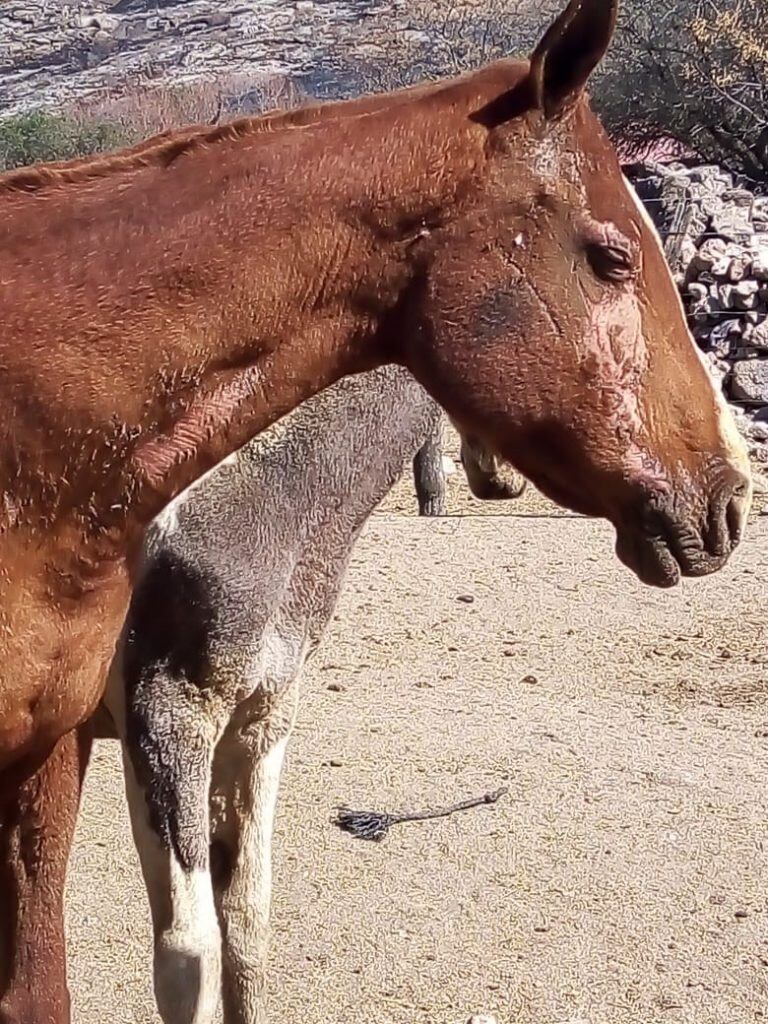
52	52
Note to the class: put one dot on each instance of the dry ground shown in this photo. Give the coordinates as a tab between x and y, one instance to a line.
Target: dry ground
622	881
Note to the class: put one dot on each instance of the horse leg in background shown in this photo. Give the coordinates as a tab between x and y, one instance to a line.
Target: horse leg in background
168	750
429	475
244	794
37	825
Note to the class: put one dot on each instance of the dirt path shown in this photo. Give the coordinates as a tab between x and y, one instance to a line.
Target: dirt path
624	877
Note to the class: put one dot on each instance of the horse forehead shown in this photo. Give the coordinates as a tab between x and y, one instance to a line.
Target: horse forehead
553	158
560	171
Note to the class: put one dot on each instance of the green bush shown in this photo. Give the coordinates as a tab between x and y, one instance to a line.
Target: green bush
39	136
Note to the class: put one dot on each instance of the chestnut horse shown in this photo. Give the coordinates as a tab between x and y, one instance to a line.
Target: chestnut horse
160	307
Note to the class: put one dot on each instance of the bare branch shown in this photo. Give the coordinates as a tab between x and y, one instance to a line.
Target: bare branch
693	70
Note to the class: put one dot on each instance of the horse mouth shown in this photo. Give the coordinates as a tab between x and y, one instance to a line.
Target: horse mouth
662	538
660	560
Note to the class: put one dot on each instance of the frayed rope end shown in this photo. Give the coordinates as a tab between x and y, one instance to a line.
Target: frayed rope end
363	824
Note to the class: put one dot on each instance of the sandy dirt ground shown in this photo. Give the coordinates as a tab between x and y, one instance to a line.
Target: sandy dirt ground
623	879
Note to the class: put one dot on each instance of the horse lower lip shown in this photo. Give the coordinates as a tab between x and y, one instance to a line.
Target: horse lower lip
649	558
702	563
670	561
669	541
690	552
660	565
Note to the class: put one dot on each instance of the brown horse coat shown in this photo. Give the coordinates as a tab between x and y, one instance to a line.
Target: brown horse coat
160	307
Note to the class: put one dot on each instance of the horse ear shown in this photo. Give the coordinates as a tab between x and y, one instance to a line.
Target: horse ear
568	53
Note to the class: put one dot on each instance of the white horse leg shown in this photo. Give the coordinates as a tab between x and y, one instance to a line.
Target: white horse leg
244	793
171	829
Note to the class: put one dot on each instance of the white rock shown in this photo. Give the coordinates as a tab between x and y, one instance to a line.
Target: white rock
744	295
734	220
738	267
749	381
721	266
759	269
709	252
688	251
759	335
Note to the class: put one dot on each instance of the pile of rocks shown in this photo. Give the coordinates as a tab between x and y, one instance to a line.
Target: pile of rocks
715	231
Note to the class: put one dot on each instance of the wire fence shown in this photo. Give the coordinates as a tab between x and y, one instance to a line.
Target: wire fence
678	217
672	234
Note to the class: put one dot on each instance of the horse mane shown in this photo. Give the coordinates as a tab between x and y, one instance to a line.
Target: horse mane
161	150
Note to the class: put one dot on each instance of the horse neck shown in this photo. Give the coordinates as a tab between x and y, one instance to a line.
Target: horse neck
195	300
315	283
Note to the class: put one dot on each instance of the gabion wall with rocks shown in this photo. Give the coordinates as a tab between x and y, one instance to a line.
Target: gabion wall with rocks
715	232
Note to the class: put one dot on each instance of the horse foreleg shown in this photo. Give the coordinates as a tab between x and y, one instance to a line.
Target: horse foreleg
244	795
38	812
187	961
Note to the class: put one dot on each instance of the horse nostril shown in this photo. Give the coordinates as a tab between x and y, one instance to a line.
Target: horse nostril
733	500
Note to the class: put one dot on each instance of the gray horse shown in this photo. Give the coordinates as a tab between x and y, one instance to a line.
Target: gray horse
238	583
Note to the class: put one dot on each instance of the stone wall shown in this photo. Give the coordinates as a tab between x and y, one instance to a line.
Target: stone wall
715	231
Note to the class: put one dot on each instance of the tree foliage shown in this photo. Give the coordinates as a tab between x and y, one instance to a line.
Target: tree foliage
436	38
694	70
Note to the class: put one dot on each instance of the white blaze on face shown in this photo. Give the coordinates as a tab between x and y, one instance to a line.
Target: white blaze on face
553	160
618	347
546	159
733	443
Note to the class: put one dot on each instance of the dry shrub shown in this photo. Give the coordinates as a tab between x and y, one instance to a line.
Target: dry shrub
108	121
437	38
694	70
39	136
146	109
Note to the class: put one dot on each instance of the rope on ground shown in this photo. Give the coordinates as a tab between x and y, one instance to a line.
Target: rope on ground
374	825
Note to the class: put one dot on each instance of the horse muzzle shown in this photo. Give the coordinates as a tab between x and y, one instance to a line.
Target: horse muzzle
663	543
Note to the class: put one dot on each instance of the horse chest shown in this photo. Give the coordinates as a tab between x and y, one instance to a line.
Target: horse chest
65	649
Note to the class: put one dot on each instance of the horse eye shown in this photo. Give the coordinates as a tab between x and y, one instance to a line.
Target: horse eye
611	262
